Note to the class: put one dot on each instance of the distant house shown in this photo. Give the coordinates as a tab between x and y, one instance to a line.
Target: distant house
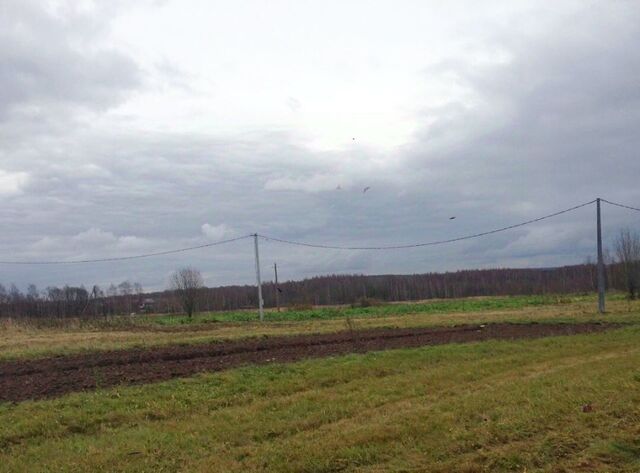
147	305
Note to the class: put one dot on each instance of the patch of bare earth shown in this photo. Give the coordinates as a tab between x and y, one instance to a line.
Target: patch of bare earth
50	377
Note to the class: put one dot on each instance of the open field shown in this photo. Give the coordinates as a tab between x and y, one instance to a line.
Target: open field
493	406
18	339
434	306
49	377
554	404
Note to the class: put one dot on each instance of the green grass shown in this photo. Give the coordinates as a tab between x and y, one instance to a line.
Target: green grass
492	406
327	313
22	339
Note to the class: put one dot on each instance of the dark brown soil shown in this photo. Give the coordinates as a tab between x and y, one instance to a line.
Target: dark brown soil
50	377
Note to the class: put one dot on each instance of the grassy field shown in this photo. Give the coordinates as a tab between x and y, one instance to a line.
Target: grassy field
471	304
18	339
491	406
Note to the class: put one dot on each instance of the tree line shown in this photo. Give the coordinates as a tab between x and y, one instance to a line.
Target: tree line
70	301
333	289
188	294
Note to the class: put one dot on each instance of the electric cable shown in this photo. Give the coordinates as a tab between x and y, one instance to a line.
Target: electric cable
430	243
122	258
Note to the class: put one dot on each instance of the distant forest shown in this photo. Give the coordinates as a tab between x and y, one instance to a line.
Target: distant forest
128	298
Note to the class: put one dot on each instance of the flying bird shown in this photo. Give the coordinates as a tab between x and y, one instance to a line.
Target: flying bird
451	218
366	189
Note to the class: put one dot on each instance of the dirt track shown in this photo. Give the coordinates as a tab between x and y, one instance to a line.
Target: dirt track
50	377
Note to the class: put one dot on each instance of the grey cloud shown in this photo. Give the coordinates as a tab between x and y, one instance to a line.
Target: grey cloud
553	126
560	115
44	61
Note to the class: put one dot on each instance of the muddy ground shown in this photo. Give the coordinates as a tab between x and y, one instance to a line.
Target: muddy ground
50	377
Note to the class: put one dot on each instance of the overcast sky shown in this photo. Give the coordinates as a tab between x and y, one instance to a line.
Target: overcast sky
132	129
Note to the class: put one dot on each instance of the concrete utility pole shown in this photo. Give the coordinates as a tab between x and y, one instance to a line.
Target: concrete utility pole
276	290
601	293
260	301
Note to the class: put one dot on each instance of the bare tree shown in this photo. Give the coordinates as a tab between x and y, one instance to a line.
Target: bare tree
125	288
187	283
97	296
627	247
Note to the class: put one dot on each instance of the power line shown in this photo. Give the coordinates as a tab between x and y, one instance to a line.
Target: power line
620	205
122	258
311	245
431	243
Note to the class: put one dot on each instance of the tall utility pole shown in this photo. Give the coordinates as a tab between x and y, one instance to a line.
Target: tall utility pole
600	261
275	288
260	301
